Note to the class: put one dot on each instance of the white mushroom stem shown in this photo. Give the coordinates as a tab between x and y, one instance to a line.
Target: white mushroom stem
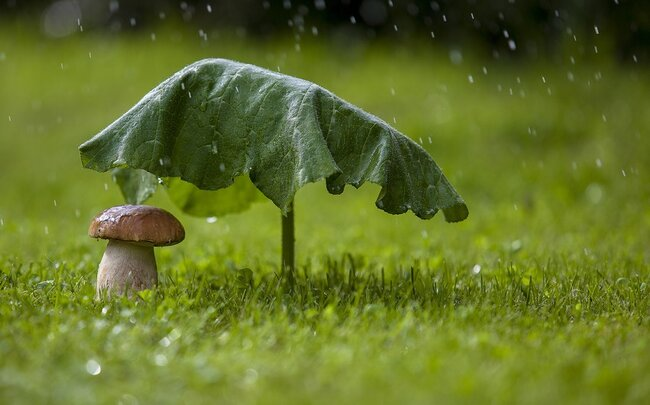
126	267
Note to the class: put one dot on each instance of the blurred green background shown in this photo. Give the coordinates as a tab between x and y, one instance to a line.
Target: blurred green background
538	113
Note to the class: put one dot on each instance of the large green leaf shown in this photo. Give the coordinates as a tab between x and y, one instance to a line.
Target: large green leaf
217	119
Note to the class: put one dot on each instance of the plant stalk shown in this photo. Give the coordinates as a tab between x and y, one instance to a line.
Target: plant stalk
288	241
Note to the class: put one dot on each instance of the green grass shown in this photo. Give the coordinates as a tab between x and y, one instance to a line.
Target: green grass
384	308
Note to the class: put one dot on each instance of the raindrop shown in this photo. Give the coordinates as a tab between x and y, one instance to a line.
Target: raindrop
353	20
444	18
623	173
433	35
430	140
570	76
379	204
182	86
2	222
634	58
596	30
395	27
250	376
392	91
485	71
512	45
594	193
3	56
215	149
456	56
189	93
165	342
54	203
476	269
211	220
132	21
153	36
77	213
209	8
10	118
222	167
162	15
160	360
470	79
286	4
390	3
599	163
543	79
394	120
93	367
90	55
105	186
506	34
595	49
424	234
320	4
314	31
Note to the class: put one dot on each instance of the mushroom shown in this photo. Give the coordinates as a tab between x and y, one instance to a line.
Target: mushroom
132	232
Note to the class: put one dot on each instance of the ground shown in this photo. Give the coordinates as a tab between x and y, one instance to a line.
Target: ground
540	296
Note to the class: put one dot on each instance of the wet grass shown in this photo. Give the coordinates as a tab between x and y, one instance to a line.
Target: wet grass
540	296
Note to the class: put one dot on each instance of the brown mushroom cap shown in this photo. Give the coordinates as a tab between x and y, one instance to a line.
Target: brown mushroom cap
142	224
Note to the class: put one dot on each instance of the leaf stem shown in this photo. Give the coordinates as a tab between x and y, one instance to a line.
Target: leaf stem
288	241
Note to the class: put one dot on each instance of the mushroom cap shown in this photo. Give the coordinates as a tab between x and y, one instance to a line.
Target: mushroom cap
142	224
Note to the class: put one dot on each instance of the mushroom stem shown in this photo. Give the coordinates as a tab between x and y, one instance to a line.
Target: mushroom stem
126	266
288	241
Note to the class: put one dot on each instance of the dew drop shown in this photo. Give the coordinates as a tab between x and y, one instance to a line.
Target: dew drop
93	367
